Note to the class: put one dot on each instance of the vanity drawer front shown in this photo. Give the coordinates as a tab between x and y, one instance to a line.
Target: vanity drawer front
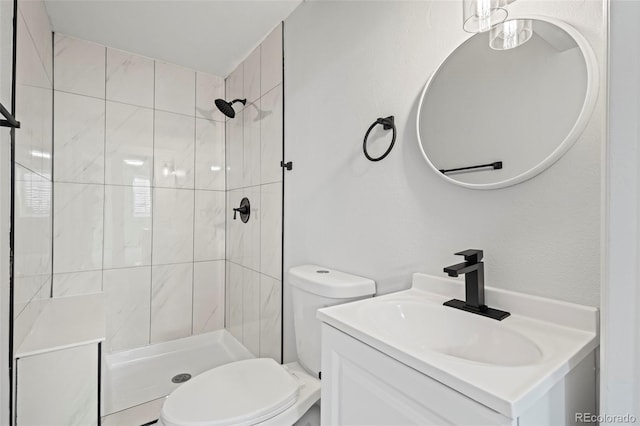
363	386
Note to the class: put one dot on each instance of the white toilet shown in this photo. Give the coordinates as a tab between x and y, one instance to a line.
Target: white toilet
260	391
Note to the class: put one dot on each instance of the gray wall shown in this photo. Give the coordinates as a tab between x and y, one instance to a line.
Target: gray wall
620	382
347	63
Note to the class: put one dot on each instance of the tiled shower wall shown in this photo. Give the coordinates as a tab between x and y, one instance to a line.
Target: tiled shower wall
254	151
139	192
32	212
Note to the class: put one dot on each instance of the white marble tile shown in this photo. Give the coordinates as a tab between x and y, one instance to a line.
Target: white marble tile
209	225
271	229
235	279
270	317
130	78
77	227
250	252
234	85
271	136
128	307
33	106
171	298
129	145
234	150
251	145
59	387
251	311
208	89
78	139
252	76
77	283
174	150
36	18
235	228
172	226
175	89
45	150
33	142
32	224
30	68
210	161
227	299
208	296
79	66
28	289
127	226
30	109
271	74
28	314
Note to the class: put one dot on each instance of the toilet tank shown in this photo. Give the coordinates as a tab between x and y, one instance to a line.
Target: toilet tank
314	287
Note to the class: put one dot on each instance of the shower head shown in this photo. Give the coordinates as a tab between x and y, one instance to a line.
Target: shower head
227	107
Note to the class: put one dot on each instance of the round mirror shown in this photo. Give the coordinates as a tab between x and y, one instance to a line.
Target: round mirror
493	118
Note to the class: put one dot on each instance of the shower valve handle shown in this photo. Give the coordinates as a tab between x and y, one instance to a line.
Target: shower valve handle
241	210
244	210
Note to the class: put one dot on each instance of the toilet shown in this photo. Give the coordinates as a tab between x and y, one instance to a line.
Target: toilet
260	391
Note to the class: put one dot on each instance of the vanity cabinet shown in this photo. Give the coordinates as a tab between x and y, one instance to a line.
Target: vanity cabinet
364	386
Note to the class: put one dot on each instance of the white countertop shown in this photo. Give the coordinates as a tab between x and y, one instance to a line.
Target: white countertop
66	322
564	332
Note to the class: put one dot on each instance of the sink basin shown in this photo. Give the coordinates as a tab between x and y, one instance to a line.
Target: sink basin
431	326
504	365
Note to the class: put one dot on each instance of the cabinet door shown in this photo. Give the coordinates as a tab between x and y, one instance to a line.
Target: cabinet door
362	386
58	387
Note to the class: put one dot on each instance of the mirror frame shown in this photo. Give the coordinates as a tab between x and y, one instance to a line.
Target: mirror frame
586	111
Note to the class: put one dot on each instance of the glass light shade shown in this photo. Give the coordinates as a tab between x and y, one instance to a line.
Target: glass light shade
479	16
510	34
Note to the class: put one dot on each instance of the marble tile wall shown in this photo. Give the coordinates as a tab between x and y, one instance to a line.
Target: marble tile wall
139	192
33	185
254	141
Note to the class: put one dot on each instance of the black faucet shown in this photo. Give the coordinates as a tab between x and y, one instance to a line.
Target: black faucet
473	268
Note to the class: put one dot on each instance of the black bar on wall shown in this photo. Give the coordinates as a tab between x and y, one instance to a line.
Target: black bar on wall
9	120
494	166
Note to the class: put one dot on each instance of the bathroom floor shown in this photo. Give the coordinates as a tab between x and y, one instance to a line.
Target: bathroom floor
138	380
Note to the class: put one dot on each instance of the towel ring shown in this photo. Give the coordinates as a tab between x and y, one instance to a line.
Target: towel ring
387	123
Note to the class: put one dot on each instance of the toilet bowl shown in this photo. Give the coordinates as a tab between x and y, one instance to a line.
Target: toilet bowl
260	391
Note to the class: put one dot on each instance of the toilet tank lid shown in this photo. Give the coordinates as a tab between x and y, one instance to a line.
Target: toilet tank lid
330	283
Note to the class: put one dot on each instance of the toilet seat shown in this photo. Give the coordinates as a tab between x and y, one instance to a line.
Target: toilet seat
240	393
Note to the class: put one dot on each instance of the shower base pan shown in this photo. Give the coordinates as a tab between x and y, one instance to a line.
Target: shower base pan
138	376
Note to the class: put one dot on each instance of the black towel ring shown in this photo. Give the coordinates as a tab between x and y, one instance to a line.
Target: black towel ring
387	123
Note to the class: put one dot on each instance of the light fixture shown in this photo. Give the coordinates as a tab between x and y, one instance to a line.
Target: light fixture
481	15
510	34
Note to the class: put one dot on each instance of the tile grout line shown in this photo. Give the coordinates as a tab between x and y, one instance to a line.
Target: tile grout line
242	249
53	128
104	173
193	218
66	92
227	271
153	201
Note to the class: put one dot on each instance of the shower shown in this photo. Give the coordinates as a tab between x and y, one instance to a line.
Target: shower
227	107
